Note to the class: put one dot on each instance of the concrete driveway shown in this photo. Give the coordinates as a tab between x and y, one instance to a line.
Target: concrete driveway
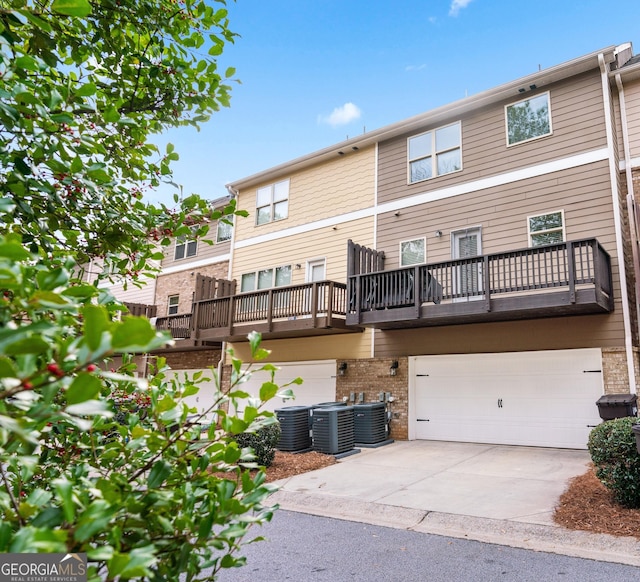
495	493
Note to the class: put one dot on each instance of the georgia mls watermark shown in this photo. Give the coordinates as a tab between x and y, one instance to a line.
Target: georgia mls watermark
43	567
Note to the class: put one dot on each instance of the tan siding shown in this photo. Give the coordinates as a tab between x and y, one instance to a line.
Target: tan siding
343	185
484	142
537	334
347	346
632	102
322	243
204	251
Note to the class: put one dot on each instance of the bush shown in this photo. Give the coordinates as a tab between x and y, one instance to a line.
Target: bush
614	453
263	442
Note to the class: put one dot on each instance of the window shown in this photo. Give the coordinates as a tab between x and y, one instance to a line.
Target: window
435	153
316	270
266	278
173	304
185	248
528	119
413	252
272	202
225	229
546	229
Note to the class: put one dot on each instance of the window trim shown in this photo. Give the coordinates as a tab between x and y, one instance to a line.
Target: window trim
424	262
226	224
272	203
506	119
434	152
170	305
186	242
273	278
311	263
530	232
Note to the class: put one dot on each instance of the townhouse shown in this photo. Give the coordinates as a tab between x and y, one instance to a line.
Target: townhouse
475	266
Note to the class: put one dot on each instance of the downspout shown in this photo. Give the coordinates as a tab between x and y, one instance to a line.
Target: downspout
372	330
631	206
223	348
617	220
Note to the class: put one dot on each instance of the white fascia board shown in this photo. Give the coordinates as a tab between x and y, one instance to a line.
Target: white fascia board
195	264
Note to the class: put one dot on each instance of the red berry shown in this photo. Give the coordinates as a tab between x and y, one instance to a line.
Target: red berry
27	385
92	368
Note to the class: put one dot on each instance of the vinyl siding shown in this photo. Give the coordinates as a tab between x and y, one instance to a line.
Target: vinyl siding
325	243
484	149
341	346
204	251
632	102
343	185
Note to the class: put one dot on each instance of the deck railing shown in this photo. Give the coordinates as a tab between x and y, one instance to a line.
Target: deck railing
179	325
317	299
564	265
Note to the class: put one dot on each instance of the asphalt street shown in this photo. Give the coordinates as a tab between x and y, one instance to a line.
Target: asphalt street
307	548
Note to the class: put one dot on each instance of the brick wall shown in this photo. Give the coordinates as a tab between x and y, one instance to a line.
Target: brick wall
183	284
185	360
614	370
370	377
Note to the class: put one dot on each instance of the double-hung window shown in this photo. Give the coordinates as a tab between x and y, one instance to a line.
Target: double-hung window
266	278
435	153
173	304
528	119
225	229
546	229
185	248
272	202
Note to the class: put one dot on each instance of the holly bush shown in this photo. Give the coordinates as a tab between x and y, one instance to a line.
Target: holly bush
146	496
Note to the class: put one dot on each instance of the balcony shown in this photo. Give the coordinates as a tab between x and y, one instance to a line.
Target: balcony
570	278
309	309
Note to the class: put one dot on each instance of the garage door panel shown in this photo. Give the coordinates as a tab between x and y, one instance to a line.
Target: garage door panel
531	398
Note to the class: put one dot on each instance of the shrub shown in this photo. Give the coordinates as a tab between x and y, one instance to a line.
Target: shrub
263	442
614	453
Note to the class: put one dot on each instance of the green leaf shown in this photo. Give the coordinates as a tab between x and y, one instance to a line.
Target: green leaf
95	323
133	333
85	386
268	390
64	490
78	8
30	345
52	279
159	472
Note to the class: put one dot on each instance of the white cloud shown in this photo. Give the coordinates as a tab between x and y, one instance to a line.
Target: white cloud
341	115
457	5
415	67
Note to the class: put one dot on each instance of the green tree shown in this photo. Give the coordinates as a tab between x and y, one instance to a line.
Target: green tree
94	459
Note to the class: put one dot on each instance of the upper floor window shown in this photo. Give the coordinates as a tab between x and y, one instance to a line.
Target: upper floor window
272	202
185	248
528	119
225	230
266	278
435	153
172	304
413	252
546	229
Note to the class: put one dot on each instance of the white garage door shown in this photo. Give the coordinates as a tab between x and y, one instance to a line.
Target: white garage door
545	399
204	400
318	383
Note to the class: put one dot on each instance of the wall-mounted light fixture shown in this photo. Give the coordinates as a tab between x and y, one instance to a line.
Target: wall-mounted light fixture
342	368
298	266
396	213
438	233
393	368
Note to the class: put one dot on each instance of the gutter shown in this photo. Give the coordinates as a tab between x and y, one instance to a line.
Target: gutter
617	220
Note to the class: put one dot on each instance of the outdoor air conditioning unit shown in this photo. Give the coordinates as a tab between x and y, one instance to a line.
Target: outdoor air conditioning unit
370	423
333	429
294	428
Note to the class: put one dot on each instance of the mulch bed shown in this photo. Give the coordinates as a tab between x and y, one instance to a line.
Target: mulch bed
289	464
588	506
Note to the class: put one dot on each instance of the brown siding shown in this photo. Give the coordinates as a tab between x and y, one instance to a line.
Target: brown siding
204	251
484	148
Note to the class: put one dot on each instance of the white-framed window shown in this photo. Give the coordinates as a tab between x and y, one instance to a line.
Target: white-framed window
266	278
528	119
435	153
272	202
185	248
413	252
225	229
546	229
316	270
172	304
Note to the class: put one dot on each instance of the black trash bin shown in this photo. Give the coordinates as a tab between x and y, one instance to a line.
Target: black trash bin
612	406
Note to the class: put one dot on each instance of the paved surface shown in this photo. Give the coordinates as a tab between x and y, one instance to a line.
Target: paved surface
491	493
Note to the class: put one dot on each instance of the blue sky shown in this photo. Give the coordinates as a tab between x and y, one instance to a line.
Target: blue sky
314	72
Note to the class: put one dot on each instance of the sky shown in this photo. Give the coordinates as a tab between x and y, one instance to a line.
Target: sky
313	73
